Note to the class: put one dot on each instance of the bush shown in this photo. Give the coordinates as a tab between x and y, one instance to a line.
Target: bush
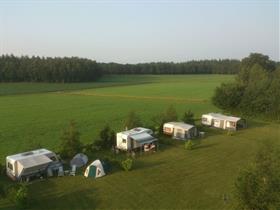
127	164
158	120
188	117
189	145
230	133
18	194
107	138
21	197
258	185
132	121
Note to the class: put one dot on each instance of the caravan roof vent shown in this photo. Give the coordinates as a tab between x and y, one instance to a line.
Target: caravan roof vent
27	153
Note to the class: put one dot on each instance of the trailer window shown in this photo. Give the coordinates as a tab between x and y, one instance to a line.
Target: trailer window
124	141
204	119
10	166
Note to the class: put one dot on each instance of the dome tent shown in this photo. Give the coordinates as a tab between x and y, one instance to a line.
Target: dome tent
79	160
95	169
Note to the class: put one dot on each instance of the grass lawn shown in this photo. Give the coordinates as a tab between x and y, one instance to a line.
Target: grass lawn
172	178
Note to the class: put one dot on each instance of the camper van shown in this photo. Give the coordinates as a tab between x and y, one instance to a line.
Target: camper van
180	130
135	138
25	165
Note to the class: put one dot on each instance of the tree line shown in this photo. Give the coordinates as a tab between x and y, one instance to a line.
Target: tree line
74	69
41	69
225	66
256	90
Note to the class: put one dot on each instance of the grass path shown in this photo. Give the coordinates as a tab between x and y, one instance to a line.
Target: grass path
175	99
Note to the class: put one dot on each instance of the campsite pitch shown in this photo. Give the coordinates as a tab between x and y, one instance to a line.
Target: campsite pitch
172	178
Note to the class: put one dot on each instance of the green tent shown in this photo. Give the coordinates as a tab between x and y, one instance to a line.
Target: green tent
95	169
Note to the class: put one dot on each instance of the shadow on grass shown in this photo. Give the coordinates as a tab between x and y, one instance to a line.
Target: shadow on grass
139	164
80	199
203	146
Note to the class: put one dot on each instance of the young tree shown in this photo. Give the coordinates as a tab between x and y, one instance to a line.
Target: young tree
107	138
132	120
70	144
170	114
188	117
258	186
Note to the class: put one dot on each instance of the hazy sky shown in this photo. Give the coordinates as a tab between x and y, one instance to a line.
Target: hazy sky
140	31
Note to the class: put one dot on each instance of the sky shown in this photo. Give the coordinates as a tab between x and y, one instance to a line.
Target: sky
138	31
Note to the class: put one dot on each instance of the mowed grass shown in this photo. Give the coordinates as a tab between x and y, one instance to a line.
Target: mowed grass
172	178
39	118
107	81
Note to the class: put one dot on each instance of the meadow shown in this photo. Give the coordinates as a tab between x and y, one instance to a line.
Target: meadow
172	178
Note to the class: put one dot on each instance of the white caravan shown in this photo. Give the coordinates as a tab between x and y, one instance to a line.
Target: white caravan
24	165
134	138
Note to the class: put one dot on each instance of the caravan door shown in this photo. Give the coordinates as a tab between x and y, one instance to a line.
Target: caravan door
216	123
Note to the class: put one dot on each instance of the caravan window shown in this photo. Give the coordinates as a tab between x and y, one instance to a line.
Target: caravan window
124	141
10	166
204	119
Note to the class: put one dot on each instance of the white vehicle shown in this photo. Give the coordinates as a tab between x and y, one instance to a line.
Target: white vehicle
218	120
24	165
180	130
135	138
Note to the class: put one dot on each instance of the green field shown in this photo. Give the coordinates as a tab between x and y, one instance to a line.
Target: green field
173	178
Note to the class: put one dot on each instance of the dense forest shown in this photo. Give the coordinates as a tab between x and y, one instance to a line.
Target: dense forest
224	66
41	69
256	90
36	69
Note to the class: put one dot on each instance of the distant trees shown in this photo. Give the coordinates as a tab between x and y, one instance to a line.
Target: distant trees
73	69
45	69
70	144
225	66
258	185
256	90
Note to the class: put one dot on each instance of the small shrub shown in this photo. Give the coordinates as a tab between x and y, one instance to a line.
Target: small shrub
21	197
18	195
189	145
107	139
230	133
127	164
188	117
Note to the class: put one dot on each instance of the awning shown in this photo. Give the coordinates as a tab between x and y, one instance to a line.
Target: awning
34	161
143	138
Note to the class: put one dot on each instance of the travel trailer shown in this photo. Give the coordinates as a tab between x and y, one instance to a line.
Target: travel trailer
135	138
180	130
218	120
22	166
